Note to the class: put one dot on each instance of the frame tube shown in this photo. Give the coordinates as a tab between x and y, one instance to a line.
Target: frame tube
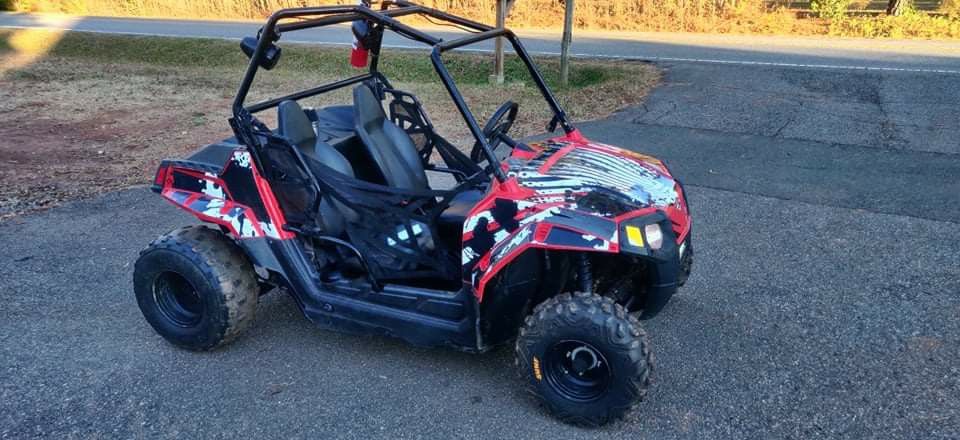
310	92
385	18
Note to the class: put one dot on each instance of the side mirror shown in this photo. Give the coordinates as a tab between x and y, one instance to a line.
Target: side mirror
270	56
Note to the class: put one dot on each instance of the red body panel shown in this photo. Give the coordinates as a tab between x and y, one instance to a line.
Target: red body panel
556	197
209	196
544	204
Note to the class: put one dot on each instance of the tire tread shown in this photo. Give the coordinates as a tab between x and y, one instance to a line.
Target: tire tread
623	332
225	265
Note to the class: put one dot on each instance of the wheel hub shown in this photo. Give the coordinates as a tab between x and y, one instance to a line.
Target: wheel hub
177	299
577	370
583	359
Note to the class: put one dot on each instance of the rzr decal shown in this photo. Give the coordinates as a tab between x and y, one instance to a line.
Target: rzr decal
212	188
237	218
481	237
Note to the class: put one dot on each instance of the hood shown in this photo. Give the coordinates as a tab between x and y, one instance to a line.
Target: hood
599	178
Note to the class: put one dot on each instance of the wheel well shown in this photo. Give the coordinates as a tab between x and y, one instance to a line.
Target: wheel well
531	278
539	274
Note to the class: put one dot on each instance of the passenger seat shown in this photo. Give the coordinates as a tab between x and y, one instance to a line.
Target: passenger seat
294	124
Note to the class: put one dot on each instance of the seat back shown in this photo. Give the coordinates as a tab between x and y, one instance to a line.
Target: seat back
390	148
294	125
333	213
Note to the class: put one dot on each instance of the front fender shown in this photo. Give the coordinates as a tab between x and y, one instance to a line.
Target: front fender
492	238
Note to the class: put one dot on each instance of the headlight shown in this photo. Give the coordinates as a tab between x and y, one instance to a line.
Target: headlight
653	233
647	235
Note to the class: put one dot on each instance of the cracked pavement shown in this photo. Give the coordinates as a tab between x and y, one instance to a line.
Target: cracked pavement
890	110
823	302
886	142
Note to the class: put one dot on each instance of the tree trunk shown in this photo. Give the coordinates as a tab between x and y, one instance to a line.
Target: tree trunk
498	43
896	7
565	42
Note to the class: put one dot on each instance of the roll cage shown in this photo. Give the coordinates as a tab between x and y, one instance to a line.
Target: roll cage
385	18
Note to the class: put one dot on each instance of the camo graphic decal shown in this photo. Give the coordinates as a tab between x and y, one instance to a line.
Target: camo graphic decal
591	168
205	195
575	191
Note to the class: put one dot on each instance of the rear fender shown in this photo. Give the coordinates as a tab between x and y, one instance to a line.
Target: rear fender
235	196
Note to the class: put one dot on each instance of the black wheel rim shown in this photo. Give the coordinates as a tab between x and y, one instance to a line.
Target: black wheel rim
577	370
177	299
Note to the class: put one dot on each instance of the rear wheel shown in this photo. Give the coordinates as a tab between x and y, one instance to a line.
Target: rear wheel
585	358
196	288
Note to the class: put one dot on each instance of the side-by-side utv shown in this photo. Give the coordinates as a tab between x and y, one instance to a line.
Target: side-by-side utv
560	245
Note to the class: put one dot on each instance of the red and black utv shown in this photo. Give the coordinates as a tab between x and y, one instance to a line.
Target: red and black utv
559	245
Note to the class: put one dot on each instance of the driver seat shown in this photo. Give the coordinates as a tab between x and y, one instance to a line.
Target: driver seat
395	154
390	148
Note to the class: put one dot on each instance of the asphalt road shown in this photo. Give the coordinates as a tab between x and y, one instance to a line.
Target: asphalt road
823	304
832	53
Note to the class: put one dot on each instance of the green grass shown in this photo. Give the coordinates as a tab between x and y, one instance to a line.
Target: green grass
399	65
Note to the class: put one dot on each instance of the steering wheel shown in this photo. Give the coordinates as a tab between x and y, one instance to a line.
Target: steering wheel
496	129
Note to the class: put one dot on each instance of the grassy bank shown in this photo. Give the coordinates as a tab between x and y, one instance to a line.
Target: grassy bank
401	66
86	113
842	17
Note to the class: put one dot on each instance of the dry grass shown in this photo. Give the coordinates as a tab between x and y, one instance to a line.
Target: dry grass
716	16
911	24
632	15
92	113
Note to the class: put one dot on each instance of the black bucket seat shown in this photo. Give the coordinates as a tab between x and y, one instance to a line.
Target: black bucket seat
390	148
296	127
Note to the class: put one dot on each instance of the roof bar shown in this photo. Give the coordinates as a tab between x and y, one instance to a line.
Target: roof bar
440	15
359	13
308	93
473	38
315	22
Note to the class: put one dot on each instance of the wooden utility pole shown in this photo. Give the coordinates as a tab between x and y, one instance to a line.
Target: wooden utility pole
896	7
503	8
565	42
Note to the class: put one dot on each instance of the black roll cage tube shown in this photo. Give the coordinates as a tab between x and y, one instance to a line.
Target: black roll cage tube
386	18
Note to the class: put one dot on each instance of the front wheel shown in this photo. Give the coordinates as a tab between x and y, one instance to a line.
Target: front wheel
585	358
